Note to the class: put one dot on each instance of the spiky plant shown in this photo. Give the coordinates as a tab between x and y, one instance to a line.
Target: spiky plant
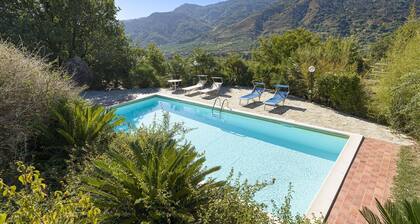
149	176
81	124
393	213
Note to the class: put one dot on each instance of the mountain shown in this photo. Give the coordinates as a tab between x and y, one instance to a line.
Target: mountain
235	25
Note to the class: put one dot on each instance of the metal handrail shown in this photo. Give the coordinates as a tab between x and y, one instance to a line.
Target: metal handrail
222	103
214	104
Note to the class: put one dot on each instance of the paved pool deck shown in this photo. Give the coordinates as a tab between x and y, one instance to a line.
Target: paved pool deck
374	166
295	109
370	176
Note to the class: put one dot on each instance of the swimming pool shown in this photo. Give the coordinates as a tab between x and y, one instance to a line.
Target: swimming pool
258	148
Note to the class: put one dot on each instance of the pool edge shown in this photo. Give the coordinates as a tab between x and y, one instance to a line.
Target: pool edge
324	199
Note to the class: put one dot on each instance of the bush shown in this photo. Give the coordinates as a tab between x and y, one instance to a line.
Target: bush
205	64
80	125
31	204
405	105
234	203
76	131
341	91
275	59
151	177
397	95
29	87
335	55
236	71
142	76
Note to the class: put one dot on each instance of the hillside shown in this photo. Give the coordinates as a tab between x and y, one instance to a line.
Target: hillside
235	25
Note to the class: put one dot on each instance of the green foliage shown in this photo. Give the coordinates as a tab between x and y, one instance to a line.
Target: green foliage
275	59
80	125
156	59
149	176
286	58
332	55
236	71
407	181
283	214
31	204
142	75
405	104
63	29
341	91
278	49
29	87
378	49
397	95
75	133
234	203
393	212
150	68
205	63
182	68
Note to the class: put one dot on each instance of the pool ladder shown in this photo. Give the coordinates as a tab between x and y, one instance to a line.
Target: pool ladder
222	103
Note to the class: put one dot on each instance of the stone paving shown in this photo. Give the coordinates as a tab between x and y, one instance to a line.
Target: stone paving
370	176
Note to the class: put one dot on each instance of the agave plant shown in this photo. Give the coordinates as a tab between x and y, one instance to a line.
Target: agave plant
408	212
151	177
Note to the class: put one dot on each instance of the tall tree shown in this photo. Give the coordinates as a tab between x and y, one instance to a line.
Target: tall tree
63	29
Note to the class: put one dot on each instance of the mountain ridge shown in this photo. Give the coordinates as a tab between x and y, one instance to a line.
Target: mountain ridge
235	25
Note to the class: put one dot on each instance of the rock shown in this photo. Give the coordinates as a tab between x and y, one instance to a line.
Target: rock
79	70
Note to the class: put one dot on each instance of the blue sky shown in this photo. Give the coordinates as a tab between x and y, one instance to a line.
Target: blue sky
131	9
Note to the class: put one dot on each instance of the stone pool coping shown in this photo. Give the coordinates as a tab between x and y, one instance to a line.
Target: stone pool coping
324	199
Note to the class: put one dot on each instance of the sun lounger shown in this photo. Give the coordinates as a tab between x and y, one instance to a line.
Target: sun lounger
215	87
281	94
259	88
201	82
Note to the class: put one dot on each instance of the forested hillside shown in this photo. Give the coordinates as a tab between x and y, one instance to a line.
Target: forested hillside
235	25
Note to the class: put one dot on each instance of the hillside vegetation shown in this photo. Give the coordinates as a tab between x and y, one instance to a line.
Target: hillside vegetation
62	160
235	25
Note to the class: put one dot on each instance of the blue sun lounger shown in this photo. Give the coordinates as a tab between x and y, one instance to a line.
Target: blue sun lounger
282	92
259	88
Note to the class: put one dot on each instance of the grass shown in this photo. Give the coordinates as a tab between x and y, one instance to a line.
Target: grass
407	181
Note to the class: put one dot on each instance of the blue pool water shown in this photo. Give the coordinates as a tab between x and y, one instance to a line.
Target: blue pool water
258	149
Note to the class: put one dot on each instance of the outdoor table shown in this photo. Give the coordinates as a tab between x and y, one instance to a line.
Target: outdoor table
174	83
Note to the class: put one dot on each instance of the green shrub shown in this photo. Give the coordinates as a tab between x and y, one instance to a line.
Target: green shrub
29	87
335	55
80	125
180	67
397	94
76	132
405	104
205	64
30	203
142	76
151	177
61	30
341	91
276	59
236	71
234	203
